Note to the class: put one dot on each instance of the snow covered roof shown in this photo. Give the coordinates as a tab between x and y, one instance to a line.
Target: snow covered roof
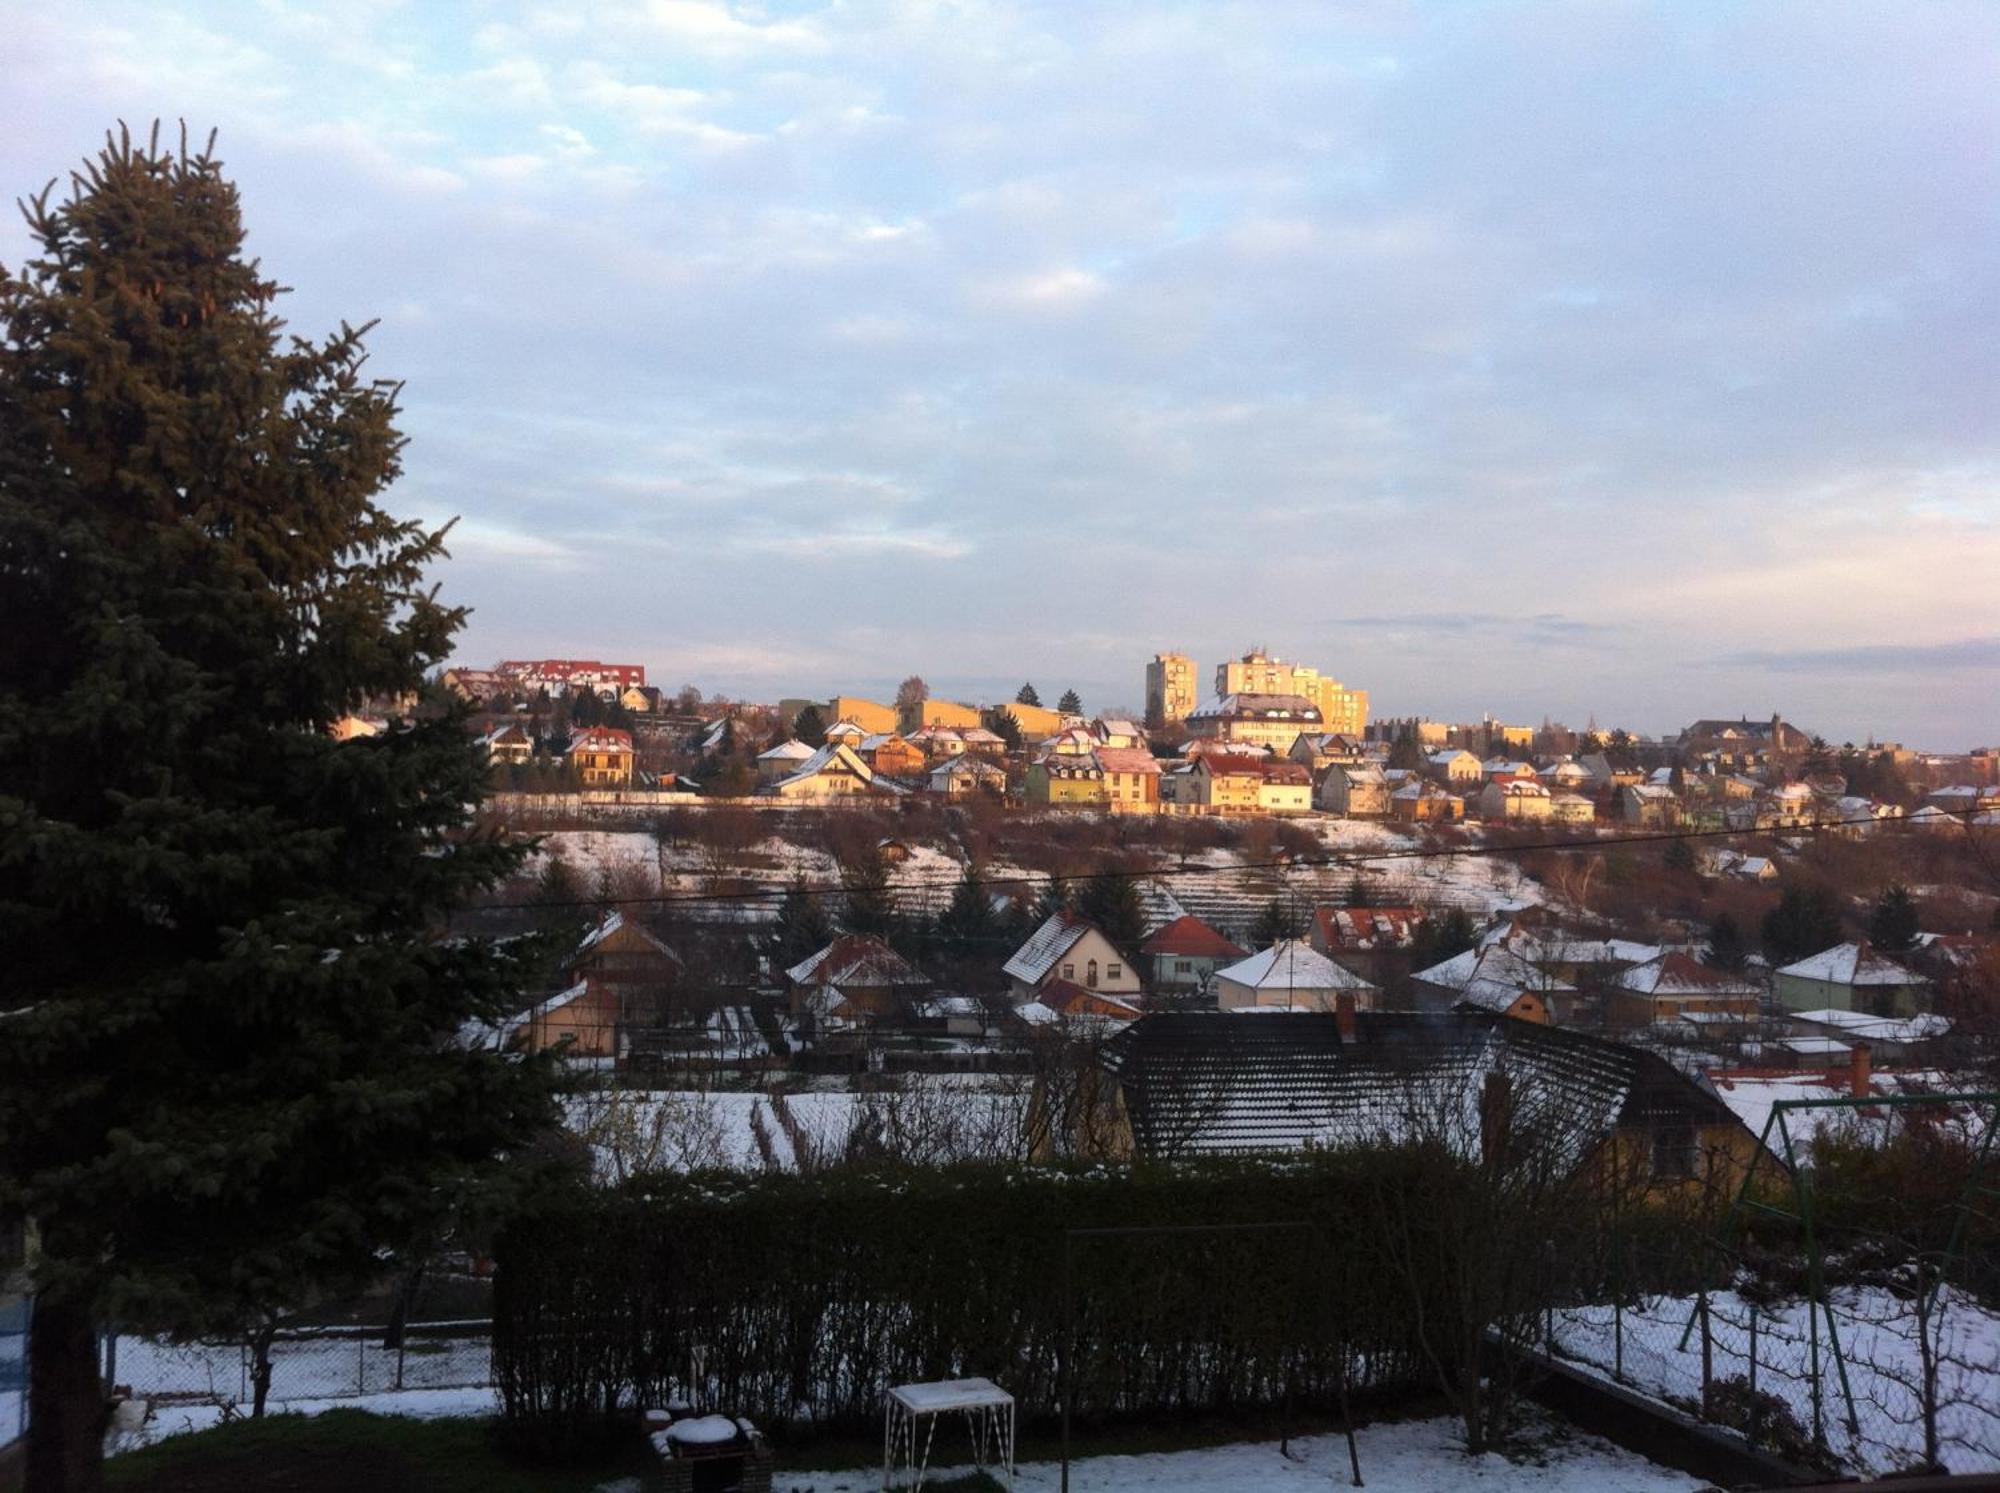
1048	943
857	959
1881	1028
1128	759
1292	964
601	739
787	751
1259	706
1478	974
1852	964
1675	974
1362	929
512	1024
835	755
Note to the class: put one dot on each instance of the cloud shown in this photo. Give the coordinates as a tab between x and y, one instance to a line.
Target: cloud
1960	655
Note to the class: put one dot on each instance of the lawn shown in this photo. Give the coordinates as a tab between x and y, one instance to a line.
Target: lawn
344	1450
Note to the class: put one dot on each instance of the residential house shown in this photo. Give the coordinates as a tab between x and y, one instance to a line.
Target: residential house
1645	806
1674	985
938	742
642	699
1571	808
1353	791
1291	975
782	760
1318	750
847	733
1497	979
857	977
1501	769
1065	779
601	757
1284	787
1072	1007
1207	1083
1453	767
582	1019
1564	773
559	676
1964	800
1228	782
1421	801
1374	942
1258	720
1113	731
1790	806
351	726
639	972
834	771
1908	1039
1185	954
1514	799
889	755
1067	947
961	777
1605	775
1737	865
986	743
1852	977
1131	779
478	686
508	746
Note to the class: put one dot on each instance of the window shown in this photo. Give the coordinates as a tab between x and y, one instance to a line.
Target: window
1183	966
1114	971
1069	972
1673	1149
1090	974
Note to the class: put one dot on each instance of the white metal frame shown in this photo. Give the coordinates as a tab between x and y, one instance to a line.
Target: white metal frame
989	1414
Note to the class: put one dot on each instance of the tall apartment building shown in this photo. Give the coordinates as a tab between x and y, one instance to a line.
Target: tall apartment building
1170	687
1341	709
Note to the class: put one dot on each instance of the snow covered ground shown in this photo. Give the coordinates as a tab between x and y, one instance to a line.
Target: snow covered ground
164	1420
1878	1340
1403	1457
932	1119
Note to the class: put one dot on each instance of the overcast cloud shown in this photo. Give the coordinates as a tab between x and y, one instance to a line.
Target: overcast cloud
1539	359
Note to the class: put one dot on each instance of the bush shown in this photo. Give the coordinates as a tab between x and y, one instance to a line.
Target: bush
802	1298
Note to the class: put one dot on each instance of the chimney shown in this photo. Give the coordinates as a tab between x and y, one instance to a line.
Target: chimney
1858	1063
1343	1015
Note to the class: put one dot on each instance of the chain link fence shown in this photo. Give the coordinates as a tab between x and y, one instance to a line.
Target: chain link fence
316	1363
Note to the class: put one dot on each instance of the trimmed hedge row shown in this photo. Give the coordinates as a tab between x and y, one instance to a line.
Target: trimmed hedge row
799	1299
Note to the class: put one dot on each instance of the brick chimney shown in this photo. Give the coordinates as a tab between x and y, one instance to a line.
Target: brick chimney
1343	1014
1858	1064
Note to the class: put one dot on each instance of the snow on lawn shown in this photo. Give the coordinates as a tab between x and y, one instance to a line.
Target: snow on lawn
930	1119
166	1420
1419	1456
1878	1341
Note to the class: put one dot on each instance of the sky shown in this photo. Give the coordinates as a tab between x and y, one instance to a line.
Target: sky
1636	361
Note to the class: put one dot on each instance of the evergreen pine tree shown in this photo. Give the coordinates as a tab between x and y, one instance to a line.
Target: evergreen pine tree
802	926
1001	722
871	908
968	928
1678	856
229	1084
1726	943
809	726
1278	921
1806	920
1070	703
1057	895
1112	902
1404	752
1441	936
1358	894
1893	925
1026	695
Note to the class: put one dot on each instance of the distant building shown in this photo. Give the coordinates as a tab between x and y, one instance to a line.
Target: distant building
559	676
1256	672
1291	975
1852	977
870	715
1186	953
1171	691
1067	947
601	757
1254	719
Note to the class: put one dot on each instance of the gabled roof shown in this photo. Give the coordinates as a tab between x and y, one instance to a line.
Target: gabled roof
1365	929
1292	964
1214	1083
1190	938
615	923
1047	944
601	739
1479	973
1852	964
1675	974
1232	764
1128	759
511	1024
1067	998
855	959
835	755
793	750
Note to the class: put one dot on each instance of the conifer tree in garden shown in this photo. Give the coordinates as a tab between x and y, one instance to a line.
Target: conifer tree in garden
228	1083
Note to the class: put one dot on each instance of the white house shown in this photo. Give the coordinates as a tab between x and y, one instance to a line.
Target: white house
1070	948
1291	975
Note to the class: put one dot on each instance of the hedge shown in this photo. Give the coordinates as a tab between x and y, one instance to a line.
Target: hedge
797	1300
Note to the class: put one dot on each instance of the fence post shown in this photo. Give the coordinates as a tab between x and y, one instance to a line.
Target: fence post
1707	1358
1755	1417
360	1365
1618	1339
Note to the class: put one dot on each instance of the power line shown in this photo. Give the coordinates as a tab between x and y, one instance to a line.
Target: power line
1031	881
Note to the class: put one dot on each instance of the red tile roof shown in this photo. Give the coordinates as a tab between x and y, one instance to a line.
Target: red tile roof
1190	938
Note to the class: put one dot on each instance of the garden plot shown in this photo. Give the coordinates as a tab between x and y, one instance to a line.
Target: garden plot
1884	1368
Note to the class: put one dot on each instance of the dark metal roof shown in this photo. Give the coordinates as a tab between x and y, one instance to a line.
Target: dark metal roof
1220	1082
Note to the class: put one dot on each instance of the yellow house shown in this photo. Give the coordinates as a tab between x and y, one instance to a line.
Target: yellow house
871	716
602	757
1064	779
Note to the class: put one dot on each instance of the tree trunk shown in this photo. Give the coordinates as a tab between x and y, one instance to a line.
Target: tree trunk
66	1403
